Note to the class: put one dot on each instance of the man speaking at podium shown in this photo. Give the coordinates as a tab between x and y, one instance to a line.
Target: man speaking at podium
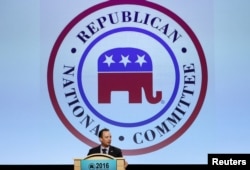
105	147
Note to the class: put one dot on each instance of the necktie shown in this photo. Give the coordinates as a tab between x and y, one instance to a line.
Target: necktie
104	151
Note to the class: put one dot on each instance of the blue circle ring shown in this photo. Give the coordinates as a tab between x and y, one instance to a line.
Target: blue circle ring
135	124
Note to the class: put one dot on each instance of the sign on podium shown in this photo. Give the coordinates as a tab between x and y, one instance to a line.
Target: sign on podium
99	161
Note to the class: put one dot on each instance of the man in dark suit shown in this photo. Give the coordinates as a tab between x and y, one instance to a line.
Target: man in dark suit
105	147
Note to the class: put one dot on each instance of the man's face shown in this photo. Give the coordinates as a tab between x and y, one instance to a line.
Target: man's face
105	139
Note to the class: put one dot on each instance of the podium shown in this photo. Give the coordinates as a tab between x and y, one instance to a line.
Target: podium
99	161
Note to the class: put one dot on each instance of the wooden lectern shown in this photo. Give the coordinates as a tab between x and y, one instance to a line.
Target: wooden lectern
101	160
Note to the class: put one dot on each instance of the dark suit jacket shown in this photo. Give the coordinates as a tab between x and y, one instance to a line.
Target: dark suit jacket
113	151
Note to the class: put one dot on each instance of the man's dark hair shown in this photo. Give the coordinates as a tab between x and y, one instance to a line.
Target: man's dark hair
101	132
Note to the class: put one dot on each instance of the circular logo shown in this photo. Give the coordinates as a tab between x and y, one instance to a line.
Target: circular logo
133	67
